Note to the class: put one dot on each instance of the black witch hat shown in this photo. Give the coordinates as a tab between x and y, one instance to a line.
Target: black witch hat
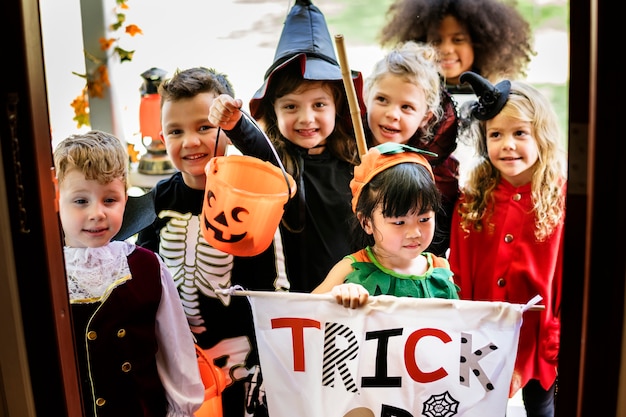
491	99
305	39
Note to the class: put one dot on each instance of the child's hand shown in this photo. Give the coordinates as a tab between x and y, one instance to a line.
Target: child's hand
350	295
225	112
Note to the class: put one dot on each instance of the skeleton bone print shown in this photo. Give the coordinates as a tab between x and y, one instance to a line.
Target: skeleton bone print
221	323
203	268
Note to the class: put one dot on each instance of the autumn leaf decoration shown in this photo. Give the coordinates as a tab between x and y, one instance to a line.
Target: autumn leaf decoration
97	80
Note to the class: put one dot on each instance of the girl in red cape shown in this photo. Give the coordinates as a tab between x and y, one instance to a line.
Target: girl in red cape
506	241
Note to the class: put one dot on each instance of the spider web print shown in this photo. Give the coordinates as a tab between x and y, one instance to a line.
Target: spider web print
442	405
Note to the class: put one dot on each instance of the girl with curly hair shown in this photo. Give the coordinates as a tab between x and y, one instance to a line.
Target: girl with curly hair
303	110
506	242
488	37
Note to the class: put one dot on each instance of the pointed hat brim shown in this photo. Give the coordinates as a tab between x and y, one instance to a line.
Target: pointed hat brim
491	98
305	38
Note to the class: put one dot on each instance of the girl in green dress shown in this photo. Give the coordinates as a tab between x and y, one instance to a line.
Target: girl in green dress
394	198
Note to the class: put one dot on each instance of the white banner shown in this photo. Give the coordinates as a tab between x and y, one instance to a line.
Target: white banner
401	357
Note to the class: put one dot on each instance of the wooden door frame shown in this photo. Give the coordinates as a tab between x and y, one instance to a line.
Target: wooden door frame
590	364
39	373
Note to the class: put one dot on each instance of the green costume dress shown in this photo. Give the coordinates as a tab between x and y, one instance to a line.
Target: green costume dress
435	283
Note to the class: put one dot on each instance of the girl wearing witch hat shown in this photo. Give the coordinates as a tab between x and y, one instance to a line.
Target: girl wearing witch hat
506	242
303	108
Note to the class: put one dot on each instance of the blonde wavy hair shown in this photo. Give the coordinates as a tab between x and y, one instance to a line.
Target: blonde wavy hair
98	155
415	63
527	104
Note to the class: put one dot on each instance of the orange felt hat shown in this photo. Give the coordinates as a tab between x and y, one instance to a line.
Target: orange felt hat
381	157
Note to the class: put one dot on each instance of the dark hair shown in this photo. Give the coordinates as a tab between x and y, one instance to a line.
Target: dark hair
398	190
193	81
501	37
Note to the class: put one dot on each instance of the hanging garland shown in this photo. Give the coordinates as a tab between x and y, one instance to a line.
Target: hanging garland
97	80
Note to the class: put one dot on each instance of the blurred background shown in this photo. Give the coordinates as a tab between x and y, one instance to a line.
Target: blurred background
239	37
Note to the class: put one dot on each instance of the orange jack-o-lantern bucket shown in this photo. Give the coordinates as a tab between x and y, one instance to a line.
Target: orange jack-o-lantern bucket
244	200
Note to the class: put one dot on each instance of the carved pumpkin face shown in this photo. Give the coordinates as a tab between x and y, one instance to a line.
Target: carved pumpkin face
228	224
243	203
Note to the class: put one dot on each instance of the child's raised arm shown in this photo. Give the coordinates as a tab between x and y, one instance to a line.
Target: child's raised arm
348	295
225	111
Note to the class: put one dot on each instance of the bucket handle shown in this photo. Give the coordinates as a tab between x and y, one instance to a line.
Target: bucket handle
269	142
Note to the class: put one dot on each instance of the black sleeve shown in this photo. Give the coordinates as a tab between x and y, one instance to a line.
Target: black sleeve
149	237
251	141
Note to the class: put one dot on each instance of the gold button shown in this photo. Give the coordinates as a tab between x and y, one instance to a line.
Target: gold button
126	367
92	335
508	238
501	282
517	197
100	402
121	333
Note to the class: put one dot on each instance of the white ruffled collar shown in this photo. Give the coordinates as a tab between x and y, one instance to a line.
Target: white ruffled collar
91	271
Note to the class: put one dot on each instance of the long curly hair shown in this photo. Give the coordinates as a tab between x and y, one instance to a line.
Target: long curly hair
501	37
548	181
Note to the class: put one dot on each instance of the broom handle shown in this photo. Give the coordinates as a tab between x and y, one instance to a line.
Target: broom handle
355	111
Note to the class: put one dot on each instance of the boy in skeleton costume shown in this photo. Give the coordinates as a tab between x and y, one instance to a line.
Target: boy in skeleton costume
221	324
